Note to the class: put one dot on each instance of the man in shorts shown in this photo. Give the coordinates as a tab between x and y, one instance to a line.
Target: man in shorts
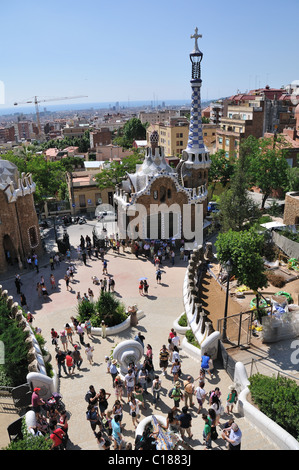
163	356
130	384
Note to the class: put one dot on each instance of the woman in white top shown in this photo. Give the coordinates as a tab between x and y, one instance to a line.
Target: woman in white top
89	353
134	410
175	354
118	410
216	405
176	370
200	395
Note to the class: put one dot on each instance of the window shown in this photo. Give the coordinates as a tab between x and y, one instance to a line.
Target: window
33	237
98	198
226	141
220	140
82	202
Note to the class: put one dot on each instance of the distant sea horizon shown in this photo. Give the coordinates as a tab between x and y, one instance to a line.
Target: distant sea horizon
109	105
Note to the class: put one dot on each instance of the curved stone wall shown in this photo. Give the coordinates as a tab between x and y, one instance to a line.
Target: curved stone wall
198	321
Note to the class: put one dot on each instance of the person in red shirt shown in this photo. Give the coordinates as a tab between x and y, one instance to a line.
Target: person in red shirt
171	334
56	435
70	362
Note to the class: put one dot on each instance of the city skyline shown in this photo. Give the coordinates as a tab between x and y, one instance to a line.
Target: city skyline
141	53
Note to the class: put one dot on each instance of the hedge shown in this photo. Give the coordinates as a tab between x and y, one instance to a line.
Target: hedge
277	398
15	367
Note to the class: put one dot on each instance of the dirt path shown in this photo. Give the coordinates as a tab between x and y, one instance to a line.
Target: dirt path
213	300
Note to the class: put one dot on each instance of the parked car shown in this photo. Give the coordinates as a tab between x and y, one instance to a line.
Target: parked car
213	207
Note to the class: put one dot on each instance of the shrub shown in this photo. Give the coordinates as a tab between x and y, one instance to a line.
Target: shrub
106	308
277	398
86	310
30	442
264	219
110	309
191	339
183	320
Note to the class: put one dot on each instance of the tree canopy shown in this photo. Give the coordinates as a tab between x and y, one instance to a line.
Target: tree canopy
221	170
49	177
237	209
132	130
113	175
83	143
244	250
268	166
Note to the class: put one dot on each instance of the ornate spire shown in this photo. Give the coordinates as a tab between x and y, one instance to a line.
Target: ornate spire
196	56
196	155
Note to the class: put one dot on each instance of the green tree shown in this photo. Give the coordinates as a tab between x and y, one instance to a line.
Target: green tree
49	177
237	209
113	175
244	249
267	166
221	170
292	180
132	130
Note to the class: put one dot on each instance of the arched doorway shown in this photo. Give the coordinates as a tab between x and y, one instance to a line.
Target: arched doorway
9	249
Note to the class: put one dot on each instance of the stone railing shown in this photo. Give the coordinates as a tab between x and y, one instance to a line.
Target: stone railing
198	320
35	357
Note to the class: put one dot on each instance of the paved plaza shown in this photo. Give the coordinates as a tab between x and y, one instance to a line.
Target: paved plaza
161	307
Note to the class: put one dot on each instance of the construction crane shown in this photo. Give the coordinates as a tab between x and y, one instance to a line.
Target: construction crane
36	102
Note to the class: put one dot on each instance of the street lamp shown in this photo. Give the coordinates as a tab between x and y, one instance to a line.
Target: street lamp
228	267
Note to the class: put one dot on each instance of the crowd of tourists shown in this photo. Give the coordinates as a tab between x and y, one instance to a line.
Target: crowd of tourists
143	386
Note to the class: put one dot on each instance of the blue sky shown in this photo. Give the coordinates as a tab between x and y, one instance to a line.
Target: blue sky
136	50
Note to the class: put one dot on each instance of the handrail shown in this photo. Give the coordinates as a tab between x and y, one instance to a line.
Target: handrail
279	372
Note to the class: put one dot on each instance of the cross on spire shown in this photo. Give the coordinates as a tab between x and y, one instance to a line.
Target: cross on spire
196	36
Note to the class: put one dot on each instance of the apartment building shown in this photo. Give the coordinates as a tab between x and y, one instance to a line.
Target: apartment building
7	134
100	137
173	135
259	111
84	194
209	136
75	131
153	117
